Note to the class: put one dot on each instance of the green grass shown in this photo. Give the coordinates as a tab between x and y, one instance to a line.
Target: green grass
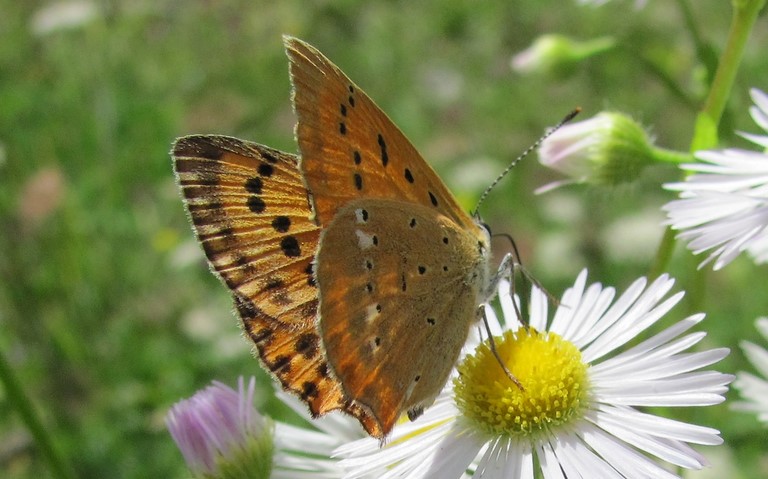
109	314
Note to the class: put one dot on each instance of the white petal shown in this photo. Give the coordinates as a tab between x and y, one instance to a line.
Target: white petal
657	366
692	389
550	466
450	460
655	425
539	310
641	350
641	315
578	460
757	356
628	461
569	304
759	111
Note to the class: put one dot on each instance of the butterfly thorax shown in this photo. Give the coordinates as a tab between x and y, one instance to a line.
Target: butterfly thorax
394	276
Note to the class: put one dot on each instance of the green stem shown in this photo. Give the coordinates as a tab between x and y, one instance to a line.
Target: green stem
671	156
704	51
59	467
663	254
744	17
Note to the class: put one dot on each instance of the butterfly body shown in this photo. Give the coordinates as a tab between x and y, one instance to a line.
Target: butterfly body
354	271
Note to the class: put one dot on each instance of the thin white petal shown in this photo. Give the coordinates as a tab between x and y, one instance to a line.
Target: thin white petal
655	425
640	316
692	389
658	366
452	461
539	310
615	364
757	355
631	463
578	460
550	466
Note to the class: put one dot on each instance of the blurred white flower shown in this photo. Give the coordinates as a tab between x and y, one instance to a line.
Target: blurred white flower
723	206
62	16
754	389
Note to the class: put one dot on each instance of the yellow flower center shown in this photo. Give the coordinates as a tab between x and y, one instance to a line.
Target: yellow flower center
549	368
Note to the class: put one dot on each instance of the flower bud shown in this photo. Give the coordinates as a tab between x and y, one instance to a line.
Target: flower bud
557	55
608	149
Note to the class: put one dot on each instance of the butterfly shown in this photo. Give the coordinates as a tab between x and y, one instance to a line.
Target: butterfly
354	270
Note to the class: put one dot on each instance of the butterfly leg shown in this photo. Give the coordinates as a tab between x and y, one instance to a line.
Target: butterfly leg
494	351
506	270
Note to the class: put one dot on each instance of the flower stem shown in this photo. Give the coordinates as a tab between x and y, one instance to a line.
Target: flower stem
663	254
671	156
744	17
59	467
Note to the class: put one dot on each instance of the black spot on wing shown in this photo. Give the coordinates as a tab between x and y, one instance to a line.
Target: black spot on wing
290	246
256	204
281	224
254	185
383	147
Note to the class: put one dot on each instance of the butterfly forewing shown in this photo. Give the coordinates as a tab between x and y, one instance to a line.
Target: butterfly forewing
388	340
350	149
251	212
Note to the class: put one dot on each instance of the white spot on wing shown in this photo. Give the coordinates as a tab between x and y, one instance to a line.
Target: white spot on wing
371	313
359	218
364	240
410	389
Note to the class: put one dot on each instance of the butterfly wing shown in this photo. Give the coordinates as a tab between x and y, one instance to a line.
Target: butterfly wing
350	149
251	212
396	307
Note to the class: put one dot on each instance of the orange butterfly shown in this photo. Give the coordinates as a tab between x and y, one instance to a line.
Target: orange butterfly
354	270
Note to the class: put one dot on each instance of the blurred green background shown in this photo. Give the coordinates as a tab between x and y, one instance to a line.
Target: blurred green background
109	314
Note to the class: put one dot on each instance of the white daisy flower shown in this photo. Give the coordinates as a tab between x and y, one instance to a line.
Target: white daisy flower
723	206
754	389
221	435
578	415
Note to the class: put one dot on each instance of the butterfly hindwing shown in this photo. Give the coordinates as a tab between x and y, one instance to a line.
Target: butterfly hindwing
389	342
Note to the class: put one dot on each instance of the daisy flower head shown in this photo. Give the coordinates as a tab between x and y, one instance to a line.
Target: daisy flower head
577	415
723	206
222	435
754	389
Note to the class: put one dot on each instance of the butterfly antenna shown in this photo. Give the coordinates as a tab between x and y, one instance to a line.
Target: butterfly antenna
570	116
